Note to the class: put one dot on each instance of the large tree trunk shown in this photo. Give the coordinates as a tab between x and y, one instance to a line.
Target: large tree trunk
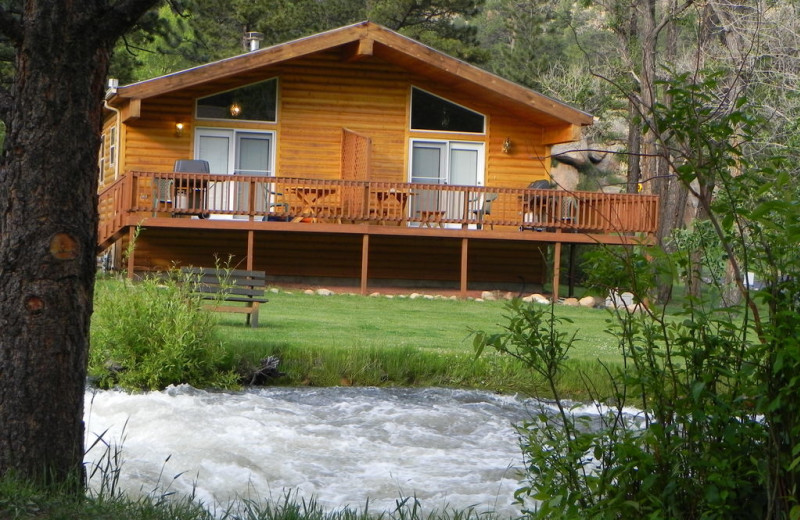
48	228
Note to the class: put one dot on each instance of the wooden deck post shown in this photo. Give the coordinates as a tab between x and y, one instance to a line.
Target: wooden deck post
250	249
364	263
464	258
131	249
556	269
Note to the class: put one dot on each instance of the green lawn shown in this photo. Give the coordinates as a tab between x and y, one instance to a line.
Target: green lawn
349	339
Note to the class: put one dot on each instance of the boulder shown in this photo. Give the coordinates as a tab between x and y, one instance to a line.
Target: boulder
536	298
587	301
488	296
617	300
574	153
571	302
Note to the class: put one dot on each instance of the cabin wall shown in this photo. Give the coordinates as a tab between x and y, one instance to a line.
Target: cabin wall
290	256
317	97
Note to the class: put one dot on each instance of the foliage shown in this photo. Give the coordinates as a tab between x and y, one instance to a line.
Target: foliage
160	43
154	333
702	421
219	24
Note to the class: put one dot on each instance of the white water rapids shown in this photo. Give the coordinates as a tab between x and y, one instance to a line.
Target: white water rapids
340	446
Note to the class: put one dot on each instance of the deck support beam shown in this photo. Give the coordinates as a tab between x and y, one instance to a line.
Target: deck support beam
250	249
364	263
556	269
131	249
464	263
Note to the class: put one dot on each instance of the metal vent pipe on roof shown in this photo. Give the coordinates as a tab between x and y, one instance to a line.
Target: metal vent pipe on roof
252	40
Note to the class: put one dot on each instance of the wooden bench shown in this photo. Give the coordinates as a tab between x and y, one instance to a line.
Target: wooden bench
230	286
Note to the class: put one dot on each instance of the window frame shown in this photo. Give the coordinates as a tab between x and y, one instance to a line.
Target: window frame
450	101
229	119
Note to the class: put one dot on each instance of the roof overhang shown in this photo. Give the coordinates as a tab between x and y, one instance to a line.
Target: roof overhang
362	41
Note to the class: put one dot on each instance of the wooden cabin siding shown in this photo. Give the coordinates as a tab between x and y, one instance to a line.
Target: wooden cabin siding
161	249
150	141
285	255
321	95
317	97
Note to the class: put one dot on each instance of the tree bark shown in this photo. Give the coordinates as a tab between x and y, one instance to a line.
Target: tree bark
48	229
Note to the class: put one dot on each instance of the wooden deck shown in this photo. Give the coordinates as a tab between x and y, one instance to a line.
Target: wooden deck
362	220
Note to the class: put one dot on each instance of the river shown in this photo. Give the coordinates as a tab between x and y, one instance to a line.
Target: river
341	446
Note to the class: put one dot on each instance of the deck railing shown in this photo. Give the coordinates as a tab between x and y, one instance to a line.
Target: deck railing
259	198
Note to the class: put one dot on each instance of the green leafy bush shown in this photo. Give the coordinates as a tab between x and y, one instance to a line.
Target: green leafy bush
715	432
154	333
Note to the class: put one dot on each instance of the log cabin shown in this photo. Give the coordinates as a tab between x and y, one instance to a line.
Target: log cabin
356	156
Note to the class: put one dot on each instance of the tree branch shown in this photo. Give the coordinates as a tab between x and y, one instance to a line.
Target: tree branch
121	16
671	17
10	25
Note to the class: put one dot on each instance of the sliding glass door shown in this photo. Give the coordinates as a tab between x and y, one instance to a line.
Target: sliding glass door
445	162
235	152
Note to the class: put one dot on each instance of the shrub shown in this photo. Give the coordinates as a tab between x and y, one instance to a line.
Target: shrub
154	333
715	432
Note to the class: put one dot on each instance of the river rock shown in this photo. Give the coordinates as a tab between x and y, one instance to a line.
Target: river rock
587	301
571	302
536	298
615	300
488	296
308	291
325	292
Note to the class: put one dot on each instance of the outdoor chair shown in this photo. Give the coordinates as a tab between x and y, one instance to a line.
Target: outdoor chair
190	195
191	166
534	207
275	199
485	209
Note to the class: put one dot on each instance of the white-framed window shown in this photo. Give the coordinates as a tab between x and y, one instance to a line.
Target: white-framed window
446	162
101	159
112	146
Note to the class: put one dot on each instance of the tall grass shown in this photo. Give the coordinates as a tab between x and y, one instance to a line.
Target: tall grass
21	501
153	333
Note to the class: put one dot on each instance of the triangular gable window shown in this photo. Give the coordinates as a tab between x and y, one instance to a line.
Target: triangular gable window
429	112
255	102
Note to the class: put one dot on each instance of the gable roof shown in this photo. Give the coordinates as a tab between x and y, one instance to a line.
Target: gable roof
364	40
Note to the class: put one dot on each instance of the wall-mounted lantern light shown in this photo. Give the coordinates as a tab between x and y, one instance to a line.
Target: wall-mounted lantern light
507	145
179	129
235	109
